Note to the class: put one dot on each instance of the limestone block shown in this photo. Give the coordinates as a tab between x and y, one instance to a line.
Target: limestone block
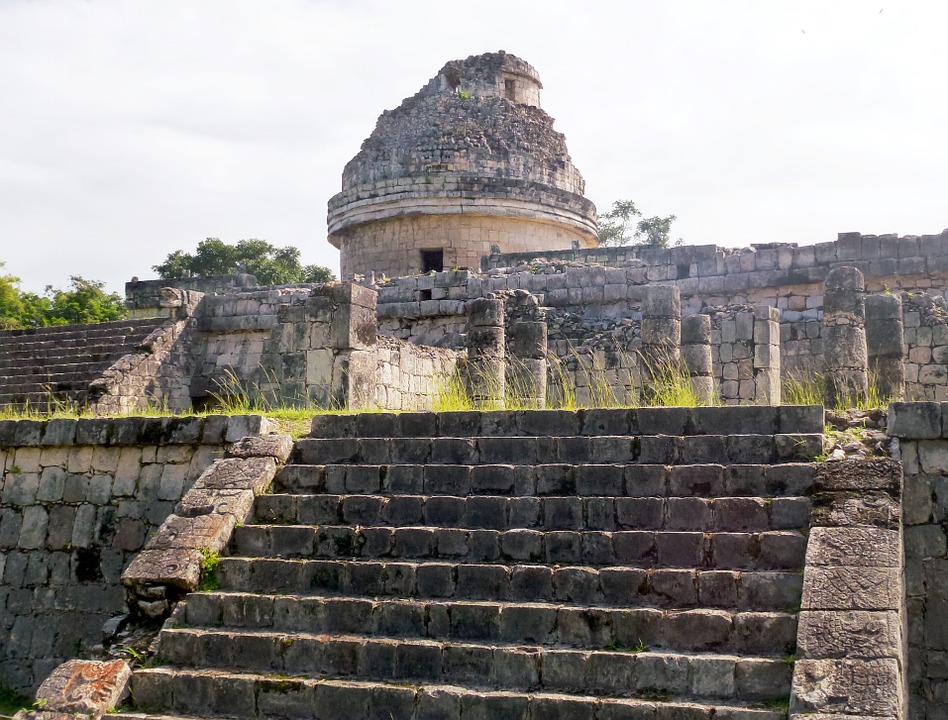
180	568
848	687
85	687
485	312
186	533
914	420
854	547
851	588
275	446
239	426
239	474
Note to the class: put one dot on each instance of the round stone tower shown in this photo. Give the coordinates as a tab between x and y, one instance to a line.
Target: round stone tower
467	163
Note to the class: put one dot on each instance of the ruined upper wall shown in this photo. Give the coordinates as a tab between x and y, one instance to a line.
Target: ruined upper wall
781	274
471	146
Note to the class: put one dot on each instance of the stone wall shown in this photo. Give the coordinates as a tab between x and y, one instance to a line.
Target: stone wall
395	245
411	377
78	499
921	430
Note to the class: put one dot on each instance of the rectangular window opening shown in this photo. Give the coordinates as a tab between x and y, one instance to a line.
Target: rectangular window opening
510	89
432	260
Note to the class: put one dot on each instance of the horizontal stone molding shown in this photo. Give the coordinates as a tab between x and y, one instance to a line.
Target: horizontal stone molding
545	207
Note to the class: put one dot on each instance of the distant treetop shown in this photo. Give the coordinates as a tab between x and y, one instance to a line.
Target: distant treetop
269	264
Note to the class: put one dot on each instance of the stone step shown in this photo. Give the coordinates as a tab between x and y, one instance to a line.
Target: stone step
721	420
492	667
723	514
551	479
193	694
771	550
610	586
61	357
81	330
662	449
542	624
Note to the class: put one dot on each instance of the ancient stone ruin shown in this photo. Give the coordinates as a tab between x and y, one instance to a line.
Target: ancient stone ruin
561	550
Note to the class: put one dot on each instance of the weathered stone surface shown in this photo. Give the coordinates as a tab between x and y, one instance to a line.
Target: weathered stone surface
255	473
210	531
180	568
853	634
85	687
854	547
849	687
848	588
275	446
872	474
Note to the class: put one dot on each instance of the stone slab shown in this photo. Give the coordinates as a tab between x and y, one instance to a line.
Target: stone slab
85	686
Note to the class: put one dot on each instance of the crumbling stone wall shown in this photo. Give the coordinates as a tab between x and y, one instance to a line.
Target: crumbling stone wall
467	163
78	499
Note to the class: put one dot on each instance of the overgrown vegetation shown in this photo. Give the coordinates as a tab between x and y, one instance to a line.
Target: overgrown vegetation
269	264
807	389
86	301
209	561
668	384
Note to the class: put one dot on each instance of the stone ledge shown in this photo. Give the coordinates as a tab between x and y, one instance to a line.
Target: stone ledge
728	420
123	431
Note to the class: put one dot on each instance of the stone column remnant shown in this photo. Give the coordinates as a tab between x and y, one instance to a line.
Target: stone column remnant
485	351
696	355
322	350
766	355
526	341
844	338
885	342
661	334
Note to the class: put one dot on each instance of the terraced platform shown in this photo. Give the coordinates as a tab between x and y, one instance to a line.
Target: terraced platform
601	564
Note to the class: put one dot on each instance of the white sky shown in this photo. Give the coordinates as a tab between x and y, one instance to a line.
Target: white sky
129	129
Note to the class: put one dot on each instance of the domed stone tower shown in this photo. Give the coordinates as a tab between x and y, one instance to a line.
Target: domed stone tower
469	162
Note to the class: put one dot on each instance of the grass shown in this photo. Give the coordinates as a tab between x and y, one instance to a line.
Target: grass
807	389
11	702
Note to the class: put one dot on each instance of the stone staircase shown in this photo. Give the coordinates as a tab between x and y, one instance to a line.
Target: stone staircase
44	367
601	564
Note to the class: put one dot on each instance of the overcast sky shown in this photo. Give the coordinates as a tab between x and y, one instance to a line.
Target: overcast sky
131	129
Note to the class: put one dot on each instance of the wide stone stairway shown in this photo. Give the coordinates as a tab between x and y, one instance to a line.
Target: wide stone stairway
600	564
45	367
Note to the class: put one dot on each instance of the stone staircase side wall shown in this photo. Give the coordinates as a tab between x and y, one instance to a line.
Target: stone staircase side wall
850	659
159	372
921	444
78	499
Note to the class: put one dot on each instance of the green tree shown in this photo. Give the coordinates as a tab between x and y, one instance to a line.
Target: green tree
86	301
625	225
269	264
11	302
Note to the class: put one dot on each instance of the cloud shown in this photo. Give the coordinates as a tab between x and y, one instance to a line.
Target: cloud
133	129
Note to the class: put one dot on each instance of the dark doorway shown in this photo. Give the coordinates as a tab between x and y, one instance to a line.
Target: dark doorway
510	89
432	260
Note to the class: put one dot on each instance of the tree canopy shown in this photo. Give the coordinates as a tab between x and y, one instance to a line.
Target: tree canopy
85	301
269	264
625	225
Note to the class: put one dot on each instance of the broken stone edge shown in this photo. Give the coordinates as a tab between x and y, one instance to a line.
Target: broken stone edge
170	564
850	639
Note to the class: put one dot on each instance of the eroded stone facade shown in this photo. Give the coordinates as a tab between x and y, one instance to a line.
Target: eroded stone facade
469	162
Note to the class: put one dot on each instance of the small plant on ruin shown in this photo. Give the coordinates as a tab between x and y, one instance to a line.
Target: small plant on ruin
209	560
